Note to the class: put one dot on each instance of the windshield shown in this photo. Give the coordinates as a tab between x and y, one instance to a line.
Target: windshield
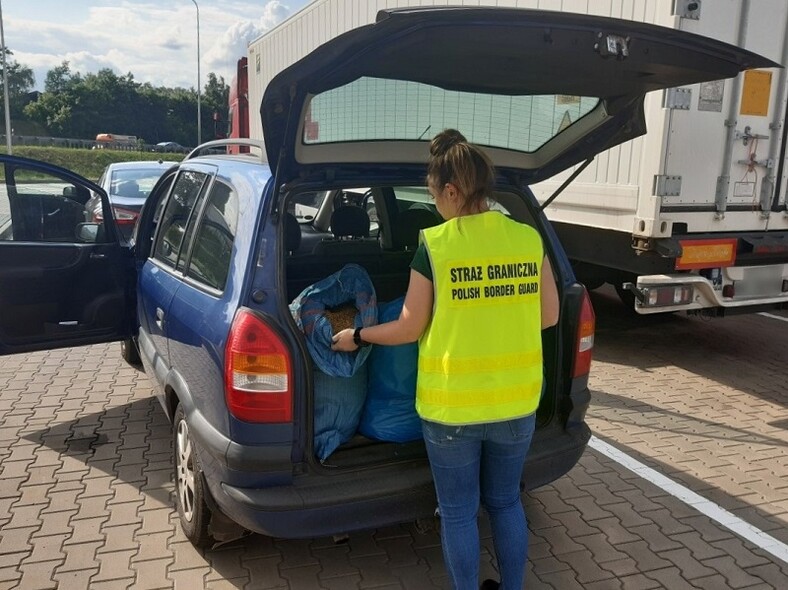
370	109
137	182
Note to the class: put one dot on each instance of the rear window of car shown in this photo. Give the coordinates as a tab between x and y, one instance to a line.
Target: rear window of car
374	109
141	179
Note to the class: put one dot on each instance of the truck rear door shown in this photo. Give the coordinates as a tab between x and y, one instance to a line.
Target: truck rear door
723	137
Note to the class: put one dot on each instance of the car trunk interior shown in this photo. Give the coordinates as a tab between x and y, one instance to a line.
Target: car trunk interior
382	239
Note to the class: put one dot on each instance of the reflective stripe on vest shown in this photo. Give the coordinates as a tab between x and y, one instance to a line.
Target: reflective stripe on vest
480	359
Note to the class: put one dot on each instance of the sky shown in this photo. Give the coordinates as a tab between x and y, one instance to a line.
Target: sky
155	41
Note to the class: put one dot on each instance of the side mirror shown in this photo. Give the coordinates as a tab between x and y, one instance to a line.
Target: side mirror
70	192
88	232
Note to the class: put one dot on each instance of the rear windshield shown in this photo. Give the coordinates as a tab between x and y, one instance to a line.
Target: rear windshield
374	109
134	182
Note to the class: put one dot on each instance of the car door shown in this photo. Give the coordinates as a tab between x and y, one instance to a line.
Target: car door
161	273
65	280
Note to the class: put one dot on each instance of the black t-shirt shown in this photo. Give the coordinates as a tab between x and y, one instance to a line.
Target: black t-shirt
421	262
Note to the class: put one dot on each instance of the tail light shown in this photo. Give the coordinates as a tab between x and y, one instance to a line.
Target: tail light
257	372
122	216
125	216
585	338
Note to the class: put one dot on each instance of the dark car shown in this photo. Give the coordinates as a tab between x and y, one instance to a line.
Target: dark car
128	184
170	146
204	295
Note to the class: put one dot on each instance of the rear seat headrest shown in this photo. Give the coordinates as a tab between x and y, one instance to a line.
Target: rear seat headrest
350	222
292	233
411	222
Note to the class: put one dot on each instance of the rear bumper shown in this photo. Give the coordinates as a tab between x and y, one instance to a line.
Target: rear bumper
750	291
318	505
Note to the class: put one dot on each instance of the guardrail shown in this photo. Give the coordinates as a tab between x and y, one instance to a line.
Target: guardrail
32	140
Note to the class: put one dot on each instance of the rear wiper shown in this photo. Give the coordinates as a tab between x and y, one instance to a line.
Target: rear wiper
567	182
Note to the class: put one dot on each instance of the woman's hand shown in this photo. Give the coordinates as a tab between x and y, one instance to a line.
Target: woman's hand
343	341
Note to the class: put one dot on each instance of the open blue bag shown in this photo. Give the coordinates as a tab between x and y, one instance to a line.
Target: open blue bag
340	378
389	410
349	284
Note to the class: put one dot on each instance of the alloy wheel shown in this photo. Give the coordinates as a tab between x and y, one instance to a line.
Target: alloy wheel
185	470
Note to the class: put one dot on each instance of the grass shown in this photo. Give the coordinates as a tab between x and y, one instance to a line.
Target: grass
87	163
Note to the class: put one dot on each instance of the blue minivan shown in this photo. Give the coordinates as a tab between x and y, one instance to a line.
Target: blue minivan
225	243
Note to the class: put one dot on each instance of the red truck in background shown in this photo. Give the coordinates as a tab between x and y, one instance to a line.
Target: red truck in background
238	111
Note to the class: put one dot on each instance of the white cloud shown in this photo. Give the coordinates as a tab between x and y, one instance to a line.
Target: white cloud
157	42
231	45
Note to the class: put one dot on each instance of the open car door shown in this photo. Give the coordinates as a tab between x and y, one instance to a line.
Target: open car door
65	279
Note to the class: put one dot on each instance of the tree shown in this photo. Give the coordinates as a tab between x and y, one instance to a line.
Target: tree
54	108
73	105
216	97
59	79
20	83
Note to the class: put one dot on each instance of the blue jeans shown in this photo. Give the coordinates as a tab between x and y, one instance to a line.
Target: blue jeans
473	463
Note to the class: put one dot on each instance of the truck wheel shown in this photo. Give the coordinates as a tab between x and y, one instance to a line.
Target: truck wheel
189	485
130	353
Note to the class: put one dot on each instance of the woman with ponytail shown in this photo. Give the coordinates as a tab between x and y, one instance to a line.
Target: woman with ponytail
481	290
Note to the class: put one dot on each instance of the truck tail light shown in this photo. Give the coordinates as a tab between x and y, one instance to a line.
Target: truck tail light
257	371
585	338
664	295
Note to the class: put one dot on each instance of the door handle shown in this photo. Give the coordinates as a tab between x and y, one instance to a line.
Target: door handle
160	318
98	256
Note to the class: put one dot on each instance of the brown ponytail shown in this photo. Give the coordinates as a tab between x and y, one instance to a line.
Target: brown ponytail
454	160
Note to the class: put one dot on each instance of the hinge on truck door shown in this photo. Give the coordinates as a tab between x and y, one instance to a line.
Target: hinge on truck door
677	98
664	247
687	8
666	185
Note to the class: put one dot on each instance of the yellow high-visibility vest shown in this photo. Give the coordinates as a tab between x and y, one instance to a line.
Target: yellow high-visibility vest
480	358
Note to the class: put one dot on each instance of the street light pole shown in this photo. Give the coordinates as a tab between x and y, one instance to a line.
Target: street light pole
9	149
199	78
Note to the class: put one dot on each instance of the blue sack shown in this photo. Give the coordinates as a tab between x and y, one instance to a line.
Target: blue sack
338	405
389	410
351	284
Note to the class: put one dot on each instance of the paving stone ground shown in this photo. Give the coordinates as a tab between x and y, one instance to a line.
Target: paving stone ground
86	483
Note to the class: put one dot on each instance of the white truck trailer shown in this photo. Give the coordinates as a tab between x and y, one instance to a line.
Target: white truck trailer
691	216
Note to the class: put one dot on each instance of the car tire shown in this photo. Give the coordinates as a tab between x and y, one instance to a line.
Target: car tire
130	353
190	492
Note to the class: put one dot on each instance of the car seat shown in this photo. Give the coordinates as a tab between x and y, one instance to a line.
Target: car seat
410	222
129	188
292	233
350	227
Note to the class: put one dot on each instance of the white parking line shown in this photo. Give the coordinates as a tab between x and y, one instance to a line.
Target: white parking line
701	504
774	317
